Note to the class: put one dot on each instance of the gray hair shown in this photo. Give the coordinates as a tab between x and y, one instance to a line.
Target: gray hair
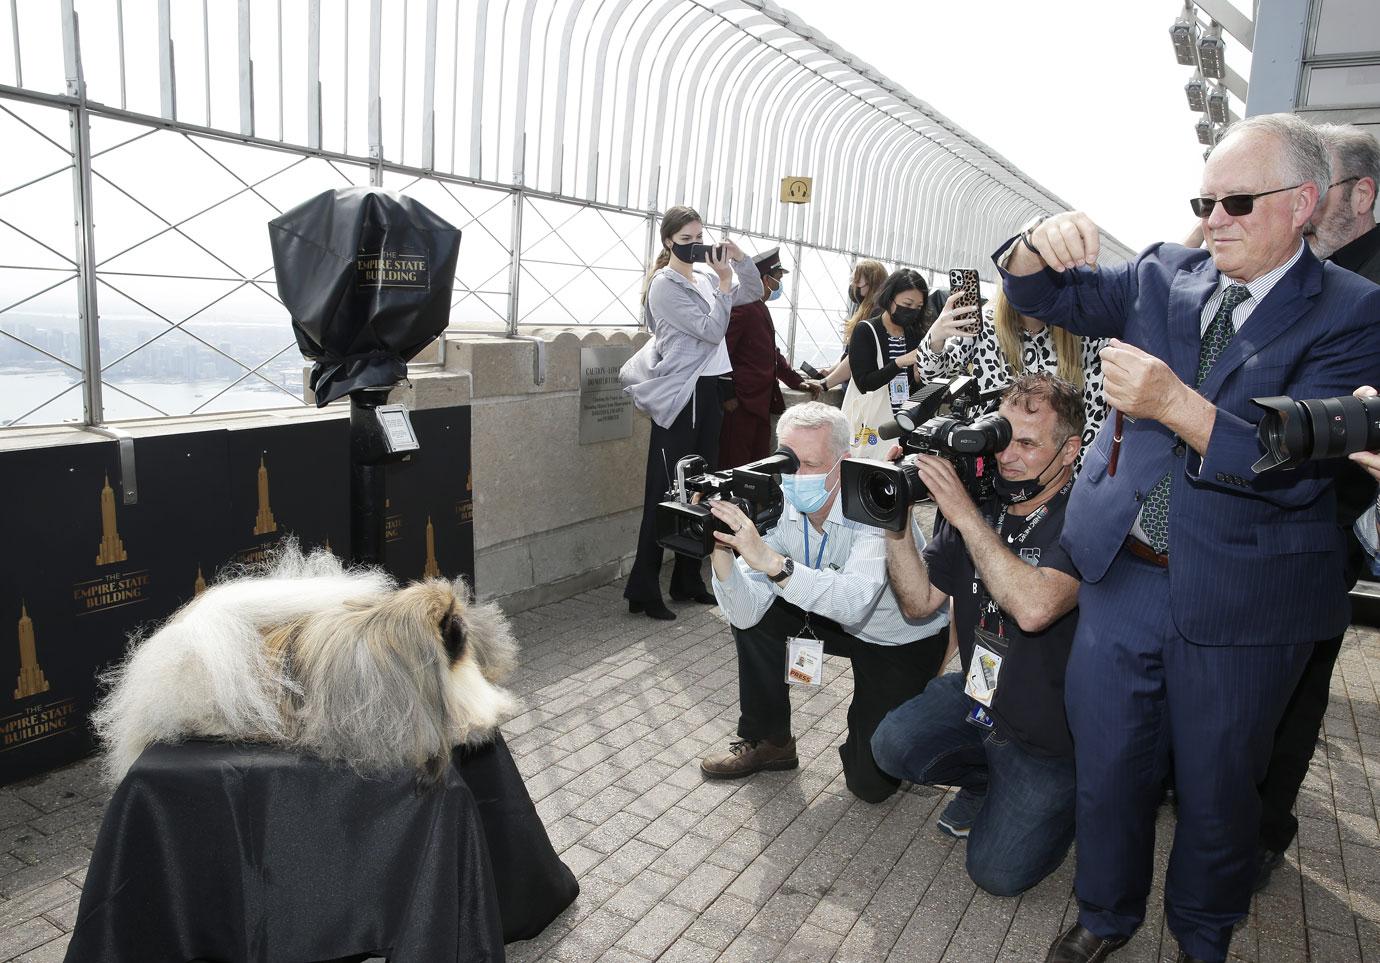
1356	152
1304	156
816	414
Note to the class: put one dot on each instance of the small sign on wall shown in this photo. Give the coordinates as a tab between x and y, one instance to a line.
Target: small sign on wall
796	190
606	410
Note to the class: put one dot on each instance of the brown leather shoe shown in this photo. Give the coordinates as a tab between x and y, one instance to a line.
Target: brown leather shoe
1082	945
747	756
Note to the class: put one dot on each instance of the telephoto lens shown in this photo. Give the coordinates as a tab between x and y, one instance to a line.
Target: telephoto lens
1293	432
878	493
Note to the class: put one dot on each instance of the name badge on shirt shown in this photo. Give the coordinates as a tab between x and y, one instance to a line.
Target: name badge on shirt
983	672
900	389
804	661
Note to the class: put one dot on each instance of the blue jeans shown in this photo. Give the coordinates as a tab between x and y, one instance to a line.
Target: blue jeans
1025	826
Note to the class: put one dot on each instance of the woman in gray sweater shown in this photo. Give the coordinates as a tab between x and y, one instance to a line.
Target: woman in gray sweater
675	383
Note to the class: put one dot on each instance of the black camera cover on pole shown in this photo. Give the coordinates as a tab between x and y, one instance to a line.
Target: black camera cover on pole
366	275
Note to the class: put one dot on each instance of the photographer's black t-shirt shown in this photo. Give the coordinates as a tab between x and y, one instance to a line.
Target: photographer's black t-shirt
1029	705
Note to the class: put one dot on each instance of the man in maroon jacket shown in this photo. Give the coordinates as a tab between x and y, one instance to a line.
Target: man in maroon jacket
746	432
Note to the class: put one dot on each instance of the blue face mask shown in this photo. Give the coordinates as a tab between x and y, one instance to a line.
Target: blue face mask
807	492
774	295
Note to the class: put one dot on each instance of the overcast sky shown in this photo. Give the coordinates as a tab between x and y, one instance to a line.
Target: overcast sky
1087	98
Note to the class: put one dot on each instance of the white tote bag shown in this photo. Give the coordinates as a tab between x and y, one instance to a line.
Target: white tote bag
866	411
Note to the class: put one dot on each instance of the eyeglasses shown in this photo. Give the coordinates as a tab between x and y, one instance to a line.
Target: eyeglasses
1237	205
1344	180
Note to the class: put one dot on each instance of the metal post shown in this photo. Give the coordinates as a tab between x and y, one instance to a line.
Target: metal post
93	409
515	269
795	300
375	97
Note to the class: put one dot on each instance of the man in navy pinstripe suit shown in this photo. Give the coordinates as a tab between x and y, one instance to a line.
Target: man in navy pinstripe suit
1205	585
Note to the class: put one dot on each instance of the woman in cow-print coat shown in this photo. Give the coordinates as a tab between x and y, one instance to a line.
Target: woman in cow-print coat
1005	344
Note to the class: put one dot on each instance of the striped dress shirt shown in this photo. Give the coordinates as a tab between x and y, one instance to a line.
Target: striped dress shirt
843	578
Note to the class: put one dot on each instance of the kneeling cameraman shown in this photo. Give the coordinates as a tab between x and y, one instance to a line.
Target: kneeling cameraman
819	578
996	729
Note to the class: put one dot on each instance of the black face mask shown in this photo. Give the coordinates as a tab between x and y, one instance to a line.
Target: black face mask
685	252
1015	492
854	295
907	317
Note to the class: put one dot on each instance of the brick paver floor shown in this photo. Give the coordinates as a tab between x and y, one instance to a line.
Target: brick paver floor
780	866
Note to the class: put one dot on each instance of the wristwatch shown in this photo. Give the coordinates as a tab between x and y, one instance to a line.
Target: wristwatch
787	568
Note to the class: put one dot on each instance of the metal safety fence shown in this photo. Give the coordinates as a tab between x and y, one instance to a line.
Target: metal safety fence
149	142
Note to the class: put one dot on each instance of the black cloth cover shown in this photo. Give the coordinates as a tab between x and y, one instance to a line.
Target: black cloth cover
366	275
216	851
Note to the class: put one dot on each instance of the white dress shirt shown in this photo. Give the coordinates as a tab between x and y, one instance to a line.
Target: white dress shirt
843	578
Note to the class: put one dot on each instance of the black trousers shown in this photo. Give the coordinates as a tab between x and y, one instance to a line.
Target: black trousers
1295	739
884	676
694	432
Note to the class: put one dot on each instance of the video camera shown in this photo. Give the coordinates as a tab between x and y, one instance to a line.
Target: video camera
881	494
1293	432
755	488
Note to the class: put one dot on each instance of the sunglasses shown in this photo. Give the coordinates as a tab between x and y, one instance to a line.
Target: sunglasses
1237	205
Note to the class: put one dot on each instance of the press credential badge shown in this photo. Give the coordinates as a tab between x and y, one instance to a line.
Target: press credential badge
983	673
804	661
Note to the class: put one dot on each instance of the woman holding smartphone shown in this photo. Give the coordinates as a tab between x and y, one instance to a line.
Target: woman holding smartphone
674	381
1000	347
868	278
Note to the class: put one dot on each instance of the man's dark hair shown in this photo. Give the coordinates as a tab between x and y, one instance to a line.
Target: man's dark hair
898	283
1064	398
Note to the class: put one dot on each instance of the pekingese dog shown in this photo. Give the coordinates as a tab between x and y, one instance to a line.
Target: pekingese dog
307	654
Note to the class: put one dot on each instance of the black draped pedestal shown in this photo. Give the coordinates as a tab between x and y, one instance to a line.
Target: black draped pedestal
230	852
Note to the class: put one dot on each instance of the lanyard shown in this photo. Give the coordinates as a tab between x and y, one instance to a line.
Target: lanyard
819	560
986	604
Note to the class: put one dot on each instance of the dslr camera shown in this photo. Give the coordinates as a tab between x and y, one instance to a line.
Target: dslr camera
755	488
881	494
1293	432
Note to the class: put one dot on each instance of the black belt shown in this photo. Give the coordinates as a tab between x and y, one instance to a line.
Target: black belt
1140	550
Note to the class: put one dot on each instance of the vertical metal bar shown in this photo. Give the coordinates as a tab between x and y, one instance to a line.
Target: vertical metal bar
454	59
795	302
280	70
429	91
167	83
481	33
14	33
375	105
120	52
246	74
520	97
402	85
345	132
93	409
206	54
314	74
515	268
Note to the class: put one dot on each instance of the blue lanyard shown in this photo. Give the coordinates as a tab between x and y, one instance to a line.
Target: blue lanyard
819	560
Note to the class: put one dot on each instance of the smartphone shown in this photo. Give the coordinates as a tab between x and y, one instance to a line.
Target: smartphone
810	370
700	252
966	281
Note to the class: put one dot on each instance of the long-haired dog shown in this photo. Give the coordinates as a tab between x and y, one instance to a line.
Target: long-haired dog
304	653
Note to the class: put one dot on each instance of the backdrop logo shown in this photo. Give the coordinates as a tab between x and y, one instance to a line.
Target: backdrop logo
111	591
431	569
389	269
112	549
36	723
264	522
31	680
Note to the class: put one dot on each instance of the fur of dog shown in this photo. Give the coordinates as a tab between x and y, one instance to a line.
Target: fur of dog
304	653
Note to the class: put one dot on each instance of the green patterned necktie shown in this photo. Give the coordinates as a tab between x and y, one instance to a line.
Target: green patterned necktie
1154	513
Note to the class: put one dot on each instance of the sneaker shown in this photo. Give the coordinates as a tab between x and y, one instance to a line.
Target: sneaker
958	816
747	756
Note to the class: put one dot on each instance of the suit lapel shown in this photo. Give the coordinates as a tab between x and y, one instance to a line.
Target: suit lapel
1188	293
1284	304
